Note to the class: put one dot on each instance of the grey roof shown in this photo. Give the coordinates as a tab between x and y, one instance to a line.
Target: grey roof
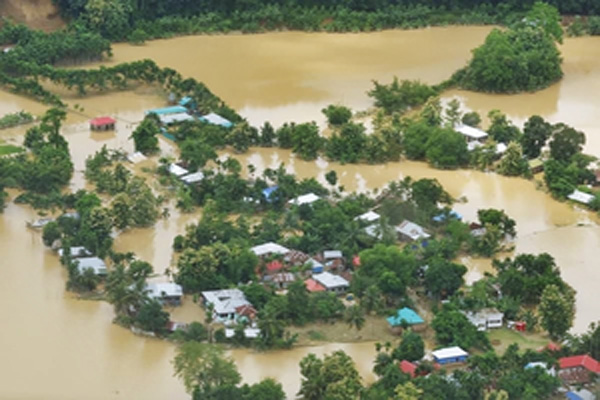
76	252
94	263
225	301
177	170
329	254
412	230
192	178
169	119
470	132
164	289
304	199
369	216
330	281
581	197
269	248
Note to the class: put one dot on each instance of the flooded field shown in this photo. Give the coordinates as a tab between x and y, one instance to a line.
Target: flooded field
70	349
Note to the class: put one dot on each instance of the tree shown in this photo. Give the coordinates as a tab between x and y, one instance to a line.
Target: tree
407	391
453	116
145	135
297	300
547	17
472	119
447	149
51	233
411	348
306	140
501	129
443	278
137	37
196	153
566	142
109	17
415	139
204	367
557	310
335	377
452	328
152	318
536	133
513	163
497	218
337	115
400	96
349	145
355	317
331	177
267	389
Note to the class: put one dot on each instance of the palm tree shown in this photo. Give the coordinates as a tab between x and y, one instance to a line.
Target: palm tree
355	317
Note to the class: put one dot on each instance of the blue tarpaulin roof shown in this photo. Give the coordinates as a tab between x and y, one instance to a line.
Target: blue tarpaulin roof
442	217
405	314
268	192
185	101
167	110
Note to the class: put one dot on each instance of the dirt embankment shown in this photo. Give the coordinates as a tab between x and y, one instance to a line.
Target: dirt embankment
37	14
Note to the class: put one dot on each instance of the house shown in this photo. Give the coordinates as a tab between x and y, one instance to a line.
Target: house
102	124
216	119
369	216
334	259
316	267
280	280
76	252
471	134
225	302
192	178
314	286
177	170
170	119
308	198
249	333
167	110
188	103
246	313
270	248
445	215
165	292
450	355
136	157
273	266
296	258
582	394
406	316
538	364
488	318
577	369
332	283
93	263
173	326
477	230
581	197
268	193
408	368
411	231
536	165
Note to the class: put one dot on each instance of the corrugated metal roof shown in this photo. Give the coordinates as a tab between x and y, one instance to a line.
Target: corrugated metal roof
304	199
330	281
449	352
269	248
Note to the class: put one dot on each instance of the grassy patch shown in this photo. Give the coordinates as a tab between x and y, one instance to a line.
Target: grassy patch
9	149
316	336
505	337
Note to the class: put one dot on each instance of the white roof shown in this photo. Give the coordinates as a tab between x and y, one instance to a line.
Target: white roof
501	148
449	352
78	251
581	197
225	301
269	248
136	157
329	254
330	280
94	263
250	333
369	216
470	132
473	145
412	230
304	199
193	178
163	289
177	170
169	119
216	119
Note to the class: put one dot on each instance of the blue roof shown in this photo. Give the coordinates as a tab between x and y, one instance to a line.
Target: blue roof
185	101
268	192
441	217
405	314
167	110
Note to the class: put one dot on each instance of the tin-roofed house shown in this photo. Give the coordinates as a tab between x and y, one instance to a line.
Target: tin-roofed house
94	264
450	355
410	231
75	252
103	124
166	293
308	198
406	316
215	119
471	134
225	303
332	283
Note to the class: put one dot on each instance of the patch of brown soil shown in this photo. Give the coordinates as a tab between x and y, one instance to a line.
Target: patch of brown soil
36	14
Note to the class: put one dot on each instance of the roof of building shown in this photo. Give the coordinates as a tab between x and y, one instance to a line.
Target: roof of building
162	289
269	248
193	177
584	361
329	254
77	251
274	265
216	119
581	197
177	170
225	301
136	157
250	333
449	352
304	199
408	368
405	314
99	121
356	261
442	216
94	263
246	310
330	280
582	394
269	191
469	131
283	277
167	110
501	148
313	286
412	230
535	163
185	101
169	119
369	216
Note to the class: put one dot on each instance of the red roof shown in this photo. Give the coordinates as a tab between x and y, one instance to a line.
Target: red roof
584	361
274	265
102	121
408	368
356	261
313	286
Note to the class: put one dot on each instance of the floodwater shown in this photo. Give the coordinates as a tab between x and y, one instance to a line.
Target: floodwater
57	347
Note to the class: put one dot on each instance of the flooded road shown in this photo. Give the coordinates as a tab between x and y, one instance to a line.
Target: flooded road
70	349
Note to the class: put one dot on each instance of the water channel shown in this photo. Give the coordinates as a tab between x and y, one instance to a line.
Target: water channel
57	347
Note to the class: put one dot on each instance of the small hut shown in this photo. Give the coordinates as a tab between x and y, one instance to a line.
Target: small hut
102	124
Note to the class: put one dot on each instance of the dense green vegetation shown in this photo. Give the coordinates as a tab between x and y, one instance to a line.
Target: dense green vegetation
14	119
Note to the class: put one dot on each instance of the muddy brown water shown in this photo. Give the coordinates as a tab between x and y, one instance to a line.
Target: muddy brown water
57	347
